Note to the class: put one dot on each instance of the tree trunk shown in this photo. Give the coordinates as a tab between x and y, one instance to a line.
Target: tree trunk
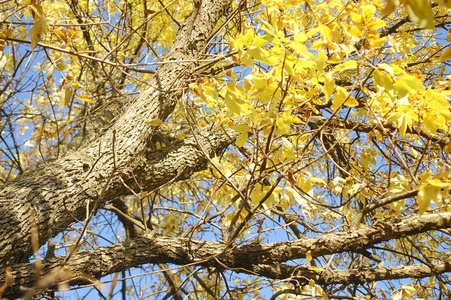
53	195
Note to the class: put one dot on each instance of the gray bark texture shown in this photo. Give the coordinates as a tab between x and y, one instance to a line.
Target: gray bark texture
258	259
53	195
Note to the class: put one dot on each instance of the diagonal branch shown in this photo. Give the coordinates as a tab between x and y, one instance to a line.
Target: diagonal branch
70	188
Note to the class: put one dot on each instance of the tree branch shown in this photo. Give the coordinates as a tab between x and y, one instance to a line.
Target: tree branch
258	259
316	121
67	190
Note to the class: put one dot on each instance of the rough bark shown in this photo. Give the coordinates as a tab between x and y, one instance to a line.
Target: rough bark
53	195
58	194
258	259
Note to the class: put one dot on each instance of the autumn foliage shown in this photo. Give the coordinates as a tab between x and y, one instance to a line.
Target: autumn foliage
247	149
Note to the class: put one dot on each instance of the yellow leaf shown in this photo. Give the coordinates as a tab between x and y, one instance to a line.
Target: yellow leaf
210	91
354	31
8	280
378	135
311	283
351	102
248	37
398	205
316	268
349	64
300	37
241	140
446	54
65	97
409	290
198	92
60	34
84	98
339	97
242	128
408	83
329	85
420	11
445	3
38	29
61	66
238	42
402	124
3	60
441	284
368	13
426	194
318	181
321	61
438	183
356	18
376	24
308	256
325	32
73	33
154	122
231	103
263	56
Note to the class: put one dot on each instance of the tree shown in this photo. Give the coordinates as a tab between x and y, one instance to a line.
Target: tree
225	149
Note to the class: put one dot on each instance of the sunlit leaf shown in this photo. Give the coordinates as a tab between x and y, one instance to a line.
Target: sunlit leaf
426	194
248	37
329	85
349	64
210	91
420	11
84	98
241	140
242	128
446	54
308	256
368	13
66	95
232	104
154	122
37	31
